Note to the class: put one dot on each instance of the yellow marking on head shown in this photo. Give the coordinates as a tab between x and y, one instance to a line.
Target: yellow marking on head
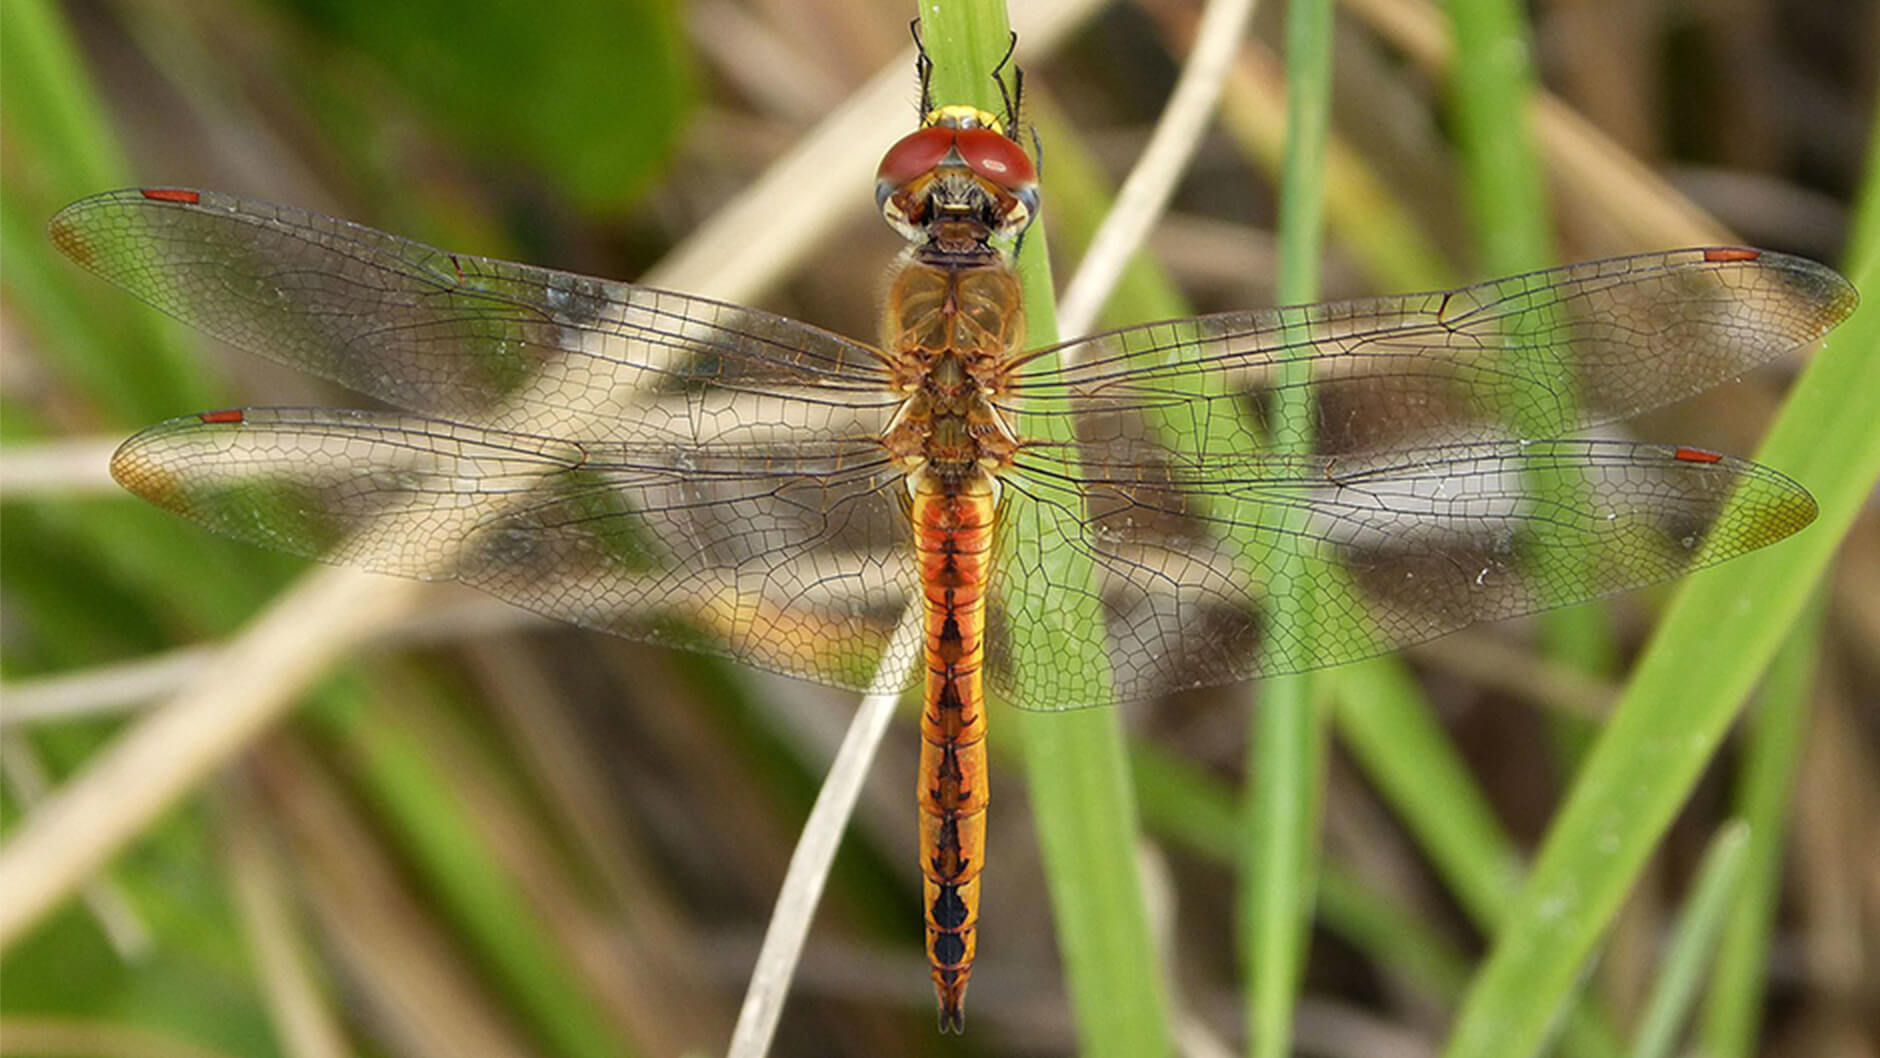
963	116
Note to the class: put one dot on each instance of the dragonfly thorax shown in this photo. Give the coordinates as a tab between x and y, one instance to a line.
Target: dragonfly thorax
948	428
951	330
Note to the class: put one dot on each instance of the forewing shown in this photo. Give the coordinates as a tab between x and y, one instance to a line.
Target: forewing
793	558
453	335
1536	355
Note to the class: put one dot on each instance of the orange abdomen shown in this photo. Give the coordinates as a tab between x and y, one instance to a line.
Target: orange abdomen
953	539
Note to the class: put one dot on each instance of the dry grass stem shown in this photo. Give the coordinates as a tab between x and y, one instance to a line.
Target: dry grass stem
70	467
1145	193
305	1024
815	852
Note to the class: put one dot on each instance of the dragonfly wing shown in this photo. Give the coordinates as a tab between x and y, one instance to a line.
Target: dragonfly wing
791	558
1393	548
1536	355
444	334
1415	509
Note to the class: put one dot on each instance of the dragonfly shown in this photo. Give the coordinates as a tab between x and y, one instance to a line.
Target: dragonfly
713	477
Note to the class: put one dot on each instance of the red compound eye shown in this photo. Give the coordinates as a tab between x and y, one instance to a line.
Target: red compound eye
996	158
917	153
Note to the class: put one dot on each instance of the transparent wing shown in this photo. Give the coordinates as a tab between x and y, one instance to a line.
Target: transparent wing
789	558
1535	355
1388	549
1423	500
654	464
461	337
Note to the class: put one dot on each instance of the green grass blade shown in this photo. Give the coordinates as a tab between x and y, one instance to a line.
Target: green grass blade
1776	739
1382	237
1077	772
1279	877
1692	941
1289	737
1773	743
50	99
1720	632
1490	92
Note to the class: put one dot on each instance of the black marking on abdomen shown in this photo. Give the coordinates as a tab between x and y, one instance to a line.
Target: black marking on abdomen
949	948
949	911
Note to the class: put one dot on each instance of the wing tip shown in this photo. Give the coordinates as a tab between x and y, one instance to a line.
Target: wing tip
138	466
1797	508
1832	296
133	468
1773	505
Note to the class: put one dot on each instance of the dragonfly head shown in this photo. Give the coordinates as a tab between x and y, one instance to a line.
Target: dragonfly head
958	180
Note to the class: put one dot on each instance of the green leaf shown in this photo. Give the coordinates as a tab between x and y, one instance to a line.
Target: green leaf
616	65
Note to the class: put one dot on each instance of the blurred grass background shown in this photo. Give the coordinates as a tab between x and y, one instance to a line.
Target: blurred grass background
523	840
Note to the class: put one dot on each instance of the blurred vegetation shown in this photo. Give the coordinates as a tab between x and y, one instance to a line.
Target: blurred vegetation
520	840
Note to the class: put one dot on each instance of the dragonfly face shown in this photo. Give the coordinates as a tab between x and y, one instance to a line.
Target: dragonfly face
957	182
692	473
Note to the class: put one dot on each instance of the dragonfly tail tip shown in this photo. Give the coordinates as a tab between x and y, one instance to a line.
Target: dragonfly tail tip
953	1013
